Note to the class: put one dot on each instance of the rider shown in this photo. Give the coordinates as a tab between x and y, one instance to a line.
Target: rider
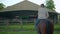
42	14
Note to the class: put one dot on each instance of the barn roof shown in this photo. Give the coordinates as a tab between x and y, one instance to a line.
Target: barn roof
24	5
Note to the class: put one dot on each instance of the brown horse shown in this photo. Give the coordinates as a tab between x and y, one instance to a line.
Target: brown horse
46	27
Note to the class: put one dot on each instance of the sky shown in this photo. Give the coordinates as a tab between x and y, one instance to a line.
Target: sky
12	2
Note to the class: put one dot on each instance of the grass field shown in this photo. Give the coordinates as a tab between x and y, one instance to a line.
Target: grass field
25	32
25	27
29	29
56	27
17	27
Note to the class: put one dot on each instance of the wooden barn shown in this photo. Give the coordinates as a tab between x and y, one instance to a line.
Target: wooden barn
24	10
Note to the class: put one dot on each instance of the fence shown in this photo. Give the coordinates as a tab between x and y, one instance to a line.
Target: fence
16	24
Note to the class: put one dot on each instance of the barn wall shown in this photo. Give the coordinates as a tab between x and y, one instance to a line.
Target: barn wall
32	14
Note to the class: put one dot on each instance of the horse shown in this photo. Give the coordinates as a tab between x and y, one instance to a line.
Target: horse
45	27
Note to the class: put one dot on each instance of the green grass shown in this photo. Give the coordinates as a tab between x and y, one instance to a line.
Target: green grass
22	32
56	27
28	29
18	27
25	27
3	32
57	32
26	32
3	27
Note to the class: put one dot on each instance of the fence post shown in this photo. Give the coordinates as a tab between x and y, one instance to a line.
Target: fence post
34	21
7	21
21	23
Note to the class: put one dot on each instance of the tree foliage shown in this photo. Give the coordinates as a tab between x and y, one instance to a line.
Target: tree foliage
1	6
50	4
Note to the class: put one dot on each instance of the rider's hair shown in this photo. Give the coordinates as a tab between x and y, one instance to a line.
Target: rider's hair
42	5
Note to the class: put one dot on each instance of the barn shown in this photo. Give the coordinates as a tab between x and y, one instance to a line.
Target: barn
24	10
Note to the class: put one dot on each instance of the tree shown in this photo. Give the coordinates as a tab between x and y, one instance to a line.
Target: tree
2	6
50	4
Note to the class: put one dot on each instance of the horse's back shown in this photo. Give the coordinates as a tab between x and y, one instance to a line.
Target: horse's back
46	27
